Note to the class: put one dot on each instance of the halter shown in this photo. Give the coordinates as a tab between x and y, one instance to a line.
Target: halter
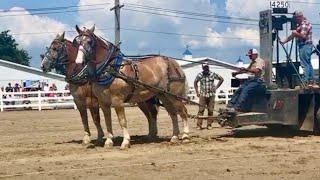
61	60
93	45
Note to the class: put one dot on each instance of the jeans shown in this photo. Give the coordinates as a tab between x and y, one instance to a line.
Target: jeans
305	52
206	102
251	88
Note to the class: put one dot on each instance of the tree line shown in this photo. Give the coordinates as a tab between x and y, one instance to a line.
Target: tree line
10	51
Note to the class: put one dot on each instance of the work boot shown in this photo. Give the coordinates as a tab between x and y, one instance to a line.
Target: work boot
231	110
315	86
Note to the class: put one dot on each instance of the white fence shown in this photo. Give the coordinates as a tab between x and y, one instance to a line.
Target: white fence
36	100
222	96
62	99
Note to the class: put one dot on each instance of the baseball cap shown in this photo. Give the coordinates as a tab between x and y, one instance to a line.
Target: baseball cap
252	51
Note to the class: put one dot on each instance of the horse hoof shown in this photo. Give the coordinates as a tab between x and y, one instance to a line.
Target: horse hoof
99	142
124	146
86	140
108	144
185	138
174	139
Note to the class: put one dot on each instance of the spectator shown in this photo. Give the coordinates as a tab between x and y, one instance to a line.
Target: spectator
16	88
2	90
26	101
67	88
9	88
51	95
54	87
46	87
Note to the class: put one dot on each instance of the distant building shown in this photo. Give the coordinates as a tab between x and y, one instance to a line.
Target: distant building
16	73
239	62
187	55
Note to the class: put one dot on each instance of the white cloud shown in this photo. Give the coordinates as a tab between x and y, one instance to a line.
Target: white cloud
21	25
232	37
145	21
245	8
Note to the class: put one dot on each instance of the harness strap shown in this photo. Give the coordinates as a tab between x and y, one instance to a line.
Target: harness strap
171	71
80	77
135	69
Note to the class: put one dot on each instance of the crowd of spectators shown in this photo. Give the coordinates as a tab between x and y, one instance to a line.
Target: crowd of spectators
10	92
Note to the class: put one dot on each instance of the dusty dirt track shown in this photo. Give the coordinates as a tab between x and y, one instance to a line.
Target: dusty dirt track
47	145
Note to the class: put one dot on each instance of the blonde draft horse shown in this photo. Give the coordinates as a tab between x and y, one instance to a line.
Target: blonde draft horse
153	71
61	55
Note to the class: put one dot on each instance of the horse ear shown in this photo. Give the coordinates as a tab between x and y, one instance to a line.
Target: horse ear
92	29
62	36
78	29
57	36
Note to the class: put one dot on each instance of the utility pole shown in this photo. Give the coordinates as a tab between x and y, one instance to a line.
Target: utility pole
116	9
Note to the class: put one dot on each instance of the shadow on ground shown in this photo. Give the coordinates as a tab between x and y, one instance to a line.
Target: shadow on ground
139	139
279	132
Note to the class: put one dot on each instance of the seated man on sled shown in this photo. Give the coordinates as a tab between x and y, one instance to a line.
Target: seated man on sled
240	102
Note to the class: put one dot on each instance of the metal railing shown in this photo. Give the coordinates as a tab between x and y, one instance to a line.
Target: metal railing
36	100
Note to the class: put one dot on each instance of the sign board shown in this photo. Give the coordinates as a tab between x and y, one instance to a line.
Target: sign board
279	4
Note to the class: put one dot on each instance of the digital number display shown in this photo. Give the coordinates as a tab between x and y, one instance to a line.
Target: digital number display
279	4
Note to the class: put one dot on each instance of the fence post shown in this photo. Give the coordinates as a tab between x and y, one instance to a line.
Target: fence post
1	101
227	96
39	100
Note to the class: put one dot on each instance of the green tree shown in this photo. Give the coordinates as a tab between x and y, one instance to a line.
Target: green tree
9	50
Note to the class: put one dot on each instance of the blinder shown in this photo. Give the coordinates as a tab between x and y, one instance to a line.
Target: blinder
88	49
76	41
61	60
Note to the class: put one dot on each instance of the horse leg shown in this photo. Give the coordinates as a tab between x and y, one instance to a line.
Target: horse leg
107	116
150	110
174	117
84	117
123	123
94	109
183	112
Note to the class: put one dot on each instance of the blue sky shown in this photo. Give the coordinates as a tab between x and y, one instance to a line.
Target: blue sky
213	39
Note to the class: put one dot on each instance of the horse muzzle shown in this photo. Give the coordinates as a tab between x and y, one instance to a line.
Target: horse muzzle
46	65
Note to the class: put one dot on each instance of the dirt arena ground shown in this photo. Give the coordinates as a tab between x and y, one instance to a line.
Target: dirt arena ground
47	145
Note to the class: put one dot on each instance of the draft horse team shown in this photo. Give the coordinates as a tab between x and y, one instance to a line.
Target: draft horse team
100	76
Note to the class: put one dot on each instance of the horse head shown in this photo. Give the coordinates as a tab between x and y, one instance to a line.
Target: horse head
56	55
92	48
